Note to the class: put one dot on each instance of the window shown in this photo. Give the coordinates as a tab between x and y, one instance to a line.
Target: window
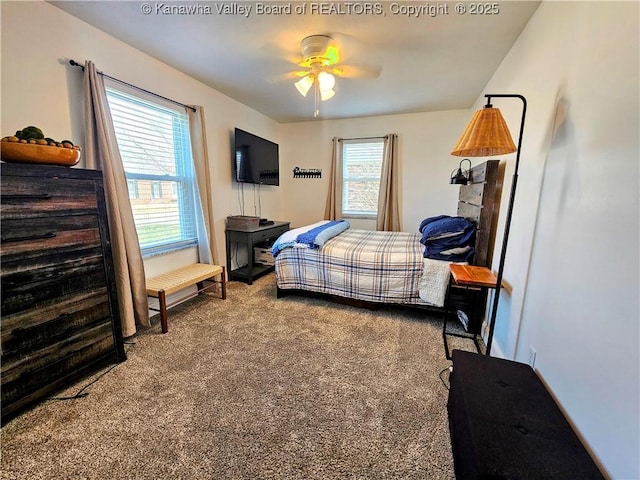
132	186
361	169
156	190
156	153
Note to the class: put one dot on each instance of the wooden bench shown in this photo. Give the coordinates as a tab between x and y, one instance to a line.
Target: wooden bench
167	283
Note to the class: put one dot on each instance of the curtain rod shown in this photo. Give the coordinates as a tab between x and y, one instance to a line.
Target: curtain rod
366	138
76	64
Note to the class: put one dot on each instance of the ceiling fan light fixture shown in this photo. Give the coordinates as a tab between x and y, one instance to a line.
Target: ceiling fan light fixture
326	94
326	81
304	84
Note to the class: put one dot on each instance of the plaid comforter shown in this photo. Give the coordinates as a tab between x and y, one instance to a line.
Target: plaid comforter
365	265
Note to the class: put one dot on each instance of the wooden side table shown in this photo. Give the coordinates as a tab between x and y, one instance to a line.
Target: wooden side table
469	276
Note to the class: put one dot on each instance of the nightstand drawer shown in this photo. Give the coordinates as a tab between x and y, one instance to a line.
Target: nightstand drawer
271	234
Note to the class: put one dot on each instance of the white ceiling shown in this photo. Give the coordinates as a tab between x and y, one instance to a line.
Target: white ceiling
429	63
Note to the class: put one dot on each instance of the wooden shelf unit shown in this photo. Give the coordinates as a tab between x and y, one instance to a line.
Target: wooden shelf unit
479	280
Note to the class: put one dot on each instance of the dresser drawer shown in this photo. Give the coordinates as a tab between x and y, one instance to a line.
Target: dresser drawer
43	228
22	379
59	352
40	326
33	237
24	197
49	243
50	281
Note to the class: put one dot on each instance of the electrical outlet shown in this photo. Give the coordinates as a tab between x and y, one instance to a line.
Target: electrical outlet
532	356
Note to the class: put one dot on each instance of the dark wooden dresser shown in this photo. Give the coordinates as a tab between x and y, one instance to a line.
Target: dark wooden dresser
59	314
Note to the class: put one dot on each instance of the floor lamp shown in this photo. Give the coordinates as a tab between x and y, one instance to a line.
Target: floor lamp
486	135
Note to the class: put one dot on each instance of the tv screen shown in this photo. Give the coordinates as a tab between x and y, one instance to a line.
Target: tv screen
256	159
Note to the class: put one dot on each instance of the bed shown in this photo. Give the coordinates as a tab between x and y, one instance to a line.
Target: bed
372	267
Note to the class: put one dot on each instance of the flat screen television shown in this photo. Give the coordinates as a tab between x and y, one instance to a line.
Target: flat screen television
255	160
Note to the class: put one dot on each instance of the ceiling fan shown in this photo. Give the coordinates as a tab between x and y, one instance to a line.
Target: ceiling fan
322	60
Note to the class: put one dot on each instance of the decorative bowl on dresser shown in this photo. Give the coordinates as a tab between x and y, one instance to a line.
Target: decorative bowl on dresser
59	311
27	153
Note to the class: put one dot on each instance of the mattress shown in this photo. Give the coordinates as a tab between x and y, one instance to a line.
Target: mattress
372	266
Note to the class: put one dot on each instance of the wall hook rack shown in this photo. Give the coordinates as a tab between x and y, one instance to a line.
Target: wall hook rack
307	172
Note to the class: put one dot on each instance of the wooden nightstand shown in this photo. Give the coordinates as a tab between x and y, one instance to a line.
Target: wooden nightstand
250	237
473	277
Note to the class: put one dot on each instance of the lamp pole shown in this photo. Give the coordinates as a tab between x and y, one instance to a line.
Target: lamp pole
507	226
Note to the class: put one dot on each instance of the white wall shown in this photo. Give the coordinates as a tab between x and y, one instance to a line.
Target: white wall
573	258
424	143
40	88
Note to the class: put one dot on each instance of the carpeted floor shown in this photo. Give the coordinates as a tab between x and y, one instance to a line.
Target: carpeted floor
252	387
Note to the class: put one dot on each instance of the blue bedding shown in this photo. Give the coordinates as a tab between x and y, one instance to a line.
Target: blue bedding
316	237
310	236
448	238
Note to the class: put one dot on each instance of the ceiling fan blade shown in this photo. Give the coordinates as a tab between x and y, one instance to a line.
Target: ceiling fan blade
279	51
356	71
348	46
358	59
287	76
333	52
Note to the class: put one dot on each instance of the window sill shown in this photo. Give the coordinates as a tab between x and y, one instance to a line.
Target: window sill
359	216
164	249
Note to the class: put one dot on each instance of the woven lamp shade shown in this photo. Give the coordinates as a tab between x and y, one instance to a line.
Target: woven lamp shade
486	135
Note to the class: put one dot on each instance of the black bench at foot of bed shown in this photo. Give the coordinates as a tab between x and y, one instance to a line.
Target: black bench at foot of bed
504	424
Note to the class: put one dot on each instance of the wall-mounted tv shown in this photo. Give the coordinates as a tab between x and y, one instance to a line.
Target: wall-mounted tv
255	159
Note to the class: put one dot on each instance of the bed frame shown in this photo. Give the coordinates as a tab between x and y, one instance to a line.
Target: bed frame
478	201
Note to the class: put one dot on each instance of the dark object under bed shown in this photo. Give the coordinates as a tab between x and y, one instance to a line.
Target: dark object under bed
504	424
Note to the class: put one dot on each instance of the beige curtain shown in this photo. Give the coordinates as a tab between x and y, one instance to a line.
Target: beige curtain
101	153
206	235
332	210
388	218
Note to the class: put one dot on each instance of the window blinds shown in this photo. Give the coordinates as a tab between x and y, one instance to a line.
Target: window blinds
155	148
361	170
